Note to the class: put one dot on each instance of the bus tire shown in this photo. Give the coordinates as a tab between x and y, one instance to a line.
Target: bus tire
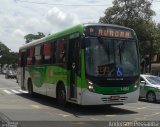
30	88
61	95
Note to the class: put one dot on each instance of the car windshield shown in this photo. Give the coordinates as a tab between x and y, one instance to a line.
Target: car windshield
111	57
153	79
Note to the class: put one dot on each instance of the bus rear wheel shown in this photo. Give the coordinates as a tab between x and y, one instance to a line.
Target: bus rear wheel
61	96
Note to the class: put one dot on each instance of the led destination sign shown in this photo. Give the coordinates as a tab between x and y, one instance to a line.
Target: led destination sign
108	32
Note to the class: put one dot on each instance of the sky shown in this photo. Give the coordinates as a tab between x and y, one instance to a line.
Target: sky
21	17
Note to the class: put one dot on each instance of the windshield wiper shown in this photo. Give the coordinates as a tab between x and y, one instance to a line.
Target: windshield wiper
106	48
121	47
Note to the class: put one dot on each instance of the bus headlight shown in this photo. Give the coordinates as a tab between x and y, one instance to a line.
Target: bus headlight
136	85
90	86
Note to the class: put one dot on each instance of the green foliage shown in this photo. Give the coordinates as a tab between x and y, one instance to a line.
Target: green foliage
31	37
128	12
7	57
3	49
136	14
147	34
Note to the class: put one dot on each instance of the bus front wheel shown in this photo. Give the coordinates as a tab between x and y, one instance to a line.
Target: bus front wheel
61	96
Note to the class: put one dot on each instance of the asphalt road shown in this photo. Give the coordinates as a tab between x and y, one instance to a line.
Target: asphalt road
17	108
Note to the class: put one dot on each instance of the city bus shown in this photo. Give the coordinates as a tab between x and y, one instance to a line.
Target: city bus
88	64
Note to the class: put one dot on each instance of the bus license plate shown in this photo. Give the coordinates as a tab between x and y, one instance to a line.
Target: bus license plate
114	97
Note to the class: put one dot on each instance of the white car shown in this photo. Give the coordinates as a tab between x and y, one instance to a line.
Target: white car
150	87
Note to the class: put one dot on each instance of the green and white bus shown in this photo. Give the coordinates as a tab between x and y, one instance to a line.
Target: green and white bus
88	64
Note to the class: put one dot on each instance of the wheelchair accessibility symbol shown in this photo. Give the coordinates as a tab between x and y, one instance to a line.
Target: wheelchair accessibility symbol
119	72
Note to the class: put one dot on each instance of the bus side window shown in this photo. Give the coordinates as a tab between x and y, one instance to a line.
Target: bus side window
38	57
23	59
54	47
77	53
78	56
47	53
62	51
30	56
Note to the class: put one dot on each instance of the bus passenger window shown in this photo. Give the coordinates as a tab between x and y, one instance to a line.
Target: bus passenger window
62	54
62	51
23	59
38	56
47	53
54	46
30	56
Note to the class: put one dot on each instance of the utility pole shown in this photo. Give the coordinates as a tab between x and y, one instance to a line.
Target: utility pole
150	55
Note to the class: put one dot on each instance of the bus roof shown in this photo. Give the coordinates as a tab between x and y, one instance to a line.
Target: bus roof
108	25
78	28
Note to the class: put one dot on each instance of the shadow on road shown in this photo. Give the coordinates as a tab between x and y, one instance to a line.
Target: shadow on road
77	110
145	100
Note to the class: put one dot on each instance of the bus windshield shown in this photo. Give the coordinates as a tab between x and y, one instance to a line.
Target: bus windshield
106	57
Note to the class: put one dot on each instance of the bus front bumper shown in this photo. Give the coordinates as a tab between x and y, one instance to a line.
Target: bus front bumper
90	98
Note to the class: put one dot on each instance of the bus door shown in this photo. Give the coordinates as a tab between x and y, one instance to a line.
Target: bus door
22	69
73	65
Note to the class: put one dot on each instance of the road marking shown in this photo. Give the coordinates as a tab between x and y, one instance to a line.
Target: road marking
157	113
36	106
142	108
23	91
154	114
15	91
141	118
9	88
63	115
148	116
6	91
11	91
110	115
94	119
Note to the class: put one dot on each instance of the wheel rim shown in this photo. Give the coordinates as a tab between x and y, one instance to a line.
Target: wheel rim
151	97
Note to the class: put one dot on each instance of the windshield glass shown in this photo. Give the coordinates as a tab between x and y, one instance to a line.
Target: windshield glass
153	79
111	57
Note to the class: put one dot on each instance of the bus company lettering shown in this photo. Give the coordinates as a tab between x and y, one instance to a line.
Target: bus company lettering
118	33
114	33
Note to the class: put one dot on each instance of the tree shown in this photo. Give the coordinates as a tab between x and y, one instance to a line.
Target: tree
158	37
3	49
31	37
136	14
128	12
7	57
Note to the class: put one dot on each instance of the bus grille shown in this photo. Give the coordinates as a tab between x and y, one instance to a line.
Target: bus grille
107	99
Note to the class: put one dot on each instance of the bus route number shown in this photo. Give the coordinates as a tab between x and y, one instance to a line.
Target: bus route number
125	88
